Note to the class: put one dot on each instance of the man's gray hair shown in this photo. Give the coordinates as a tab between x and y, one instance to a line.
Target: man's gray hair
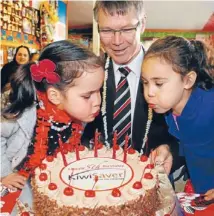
119	8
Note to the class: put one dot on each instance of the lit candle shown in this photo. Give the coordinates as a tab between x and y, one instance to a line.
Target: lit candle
125	148
96	143
61	150
114	145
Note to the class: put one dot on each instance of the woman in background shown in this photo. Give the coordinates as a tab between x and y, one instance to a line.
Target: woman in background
22	56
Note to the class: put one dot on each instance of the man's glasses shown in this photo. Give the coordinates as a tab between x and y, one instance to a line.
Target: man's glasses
126	32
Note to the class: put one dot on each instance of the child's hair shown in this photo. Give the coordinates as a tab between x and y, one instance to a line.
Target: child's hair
186	56
17	49
33	55
71	61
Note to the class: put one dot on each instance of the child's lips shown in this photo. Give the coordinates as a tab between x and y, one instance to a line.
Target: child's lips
96	113
152	106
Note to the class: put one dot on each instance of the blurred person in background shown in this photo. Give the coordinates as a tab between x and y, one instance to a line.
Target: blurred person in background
22	56
34	57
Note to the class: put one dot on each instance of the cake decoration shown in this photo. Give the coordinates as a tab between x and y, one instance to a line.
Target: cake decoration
116	192
52	186
143	158
68	191
43	177
137	185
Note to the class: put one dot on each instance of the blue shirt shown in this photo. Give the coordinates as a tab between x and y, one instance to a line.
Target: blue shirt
196	134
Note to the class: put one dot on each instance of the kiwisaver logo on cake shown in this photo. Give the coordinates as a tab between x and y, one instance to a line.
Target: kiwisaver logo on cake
96	173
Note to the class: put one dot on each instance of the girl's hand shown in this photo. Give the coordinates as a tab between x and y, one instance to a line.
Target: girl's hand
14	180
209	194
162	155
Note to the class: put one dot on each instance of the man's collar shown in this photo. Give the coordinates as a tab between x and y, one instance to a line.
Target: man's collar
134	64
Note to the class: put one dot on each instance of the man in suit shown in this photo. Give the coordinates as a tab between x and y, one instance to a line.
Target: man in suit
120	25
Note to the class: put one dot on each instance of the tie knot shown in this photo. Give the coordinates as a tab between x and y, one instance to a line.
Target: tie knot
125	71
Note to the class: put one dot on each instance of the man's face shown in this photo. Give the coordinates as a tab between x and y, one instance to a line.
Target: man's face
122	47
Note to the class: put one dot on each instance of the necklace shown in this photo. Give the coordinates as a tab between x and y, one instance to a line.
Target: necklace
103	110
52	124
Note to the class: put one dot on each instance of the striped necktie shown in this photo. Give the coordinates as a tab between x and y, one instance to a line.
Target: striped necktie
122	107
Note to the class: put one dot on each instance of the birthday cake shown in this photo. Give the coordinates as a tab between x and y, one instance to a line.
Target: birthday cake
105	182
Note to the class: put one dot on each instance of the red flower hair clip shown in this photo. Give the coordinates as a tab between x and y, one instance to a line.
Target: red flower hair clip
44	69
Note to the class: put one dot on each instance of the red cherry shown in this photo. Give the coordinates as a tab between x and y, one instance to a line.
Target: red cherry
143	158
90	193
99	146
116	192
137	185
43	177
81	148
43	166
150	166
52	186
68	191
148	176
65	151
131	151
49	158
25	214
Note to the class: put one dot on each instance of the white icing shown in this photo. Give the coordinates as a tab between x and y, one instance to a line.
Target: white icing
116	200
134	191
90	202
112	173
52	193
83	153
68	200
50	164
102	152
133	156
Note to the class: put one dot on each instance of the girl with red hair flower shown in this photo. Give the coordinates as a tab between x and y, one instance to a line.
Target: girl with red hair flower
49	102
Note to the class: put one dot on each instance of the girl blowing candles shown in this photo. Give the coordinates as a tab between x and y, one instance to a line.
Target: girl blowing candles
177	77
49	99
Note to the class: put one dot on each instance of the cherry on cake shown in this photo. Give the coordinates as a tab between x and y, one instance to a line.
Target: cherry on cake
104	183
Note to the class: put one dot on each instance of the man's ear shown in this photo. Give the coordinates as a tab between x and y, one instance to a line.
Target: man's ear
189	79
54	96
143	24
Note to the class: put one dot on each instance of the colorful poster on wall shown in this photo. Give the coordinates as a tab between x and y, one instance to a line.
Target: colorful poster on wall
61	30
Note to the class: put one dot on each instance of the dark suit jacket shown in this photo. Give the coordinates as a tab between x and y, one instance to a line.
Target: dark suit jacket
158	133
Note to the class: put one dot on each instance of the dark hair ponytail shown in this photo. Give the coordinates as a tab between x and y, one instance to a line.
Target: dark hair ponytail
22	93
204	66
186	56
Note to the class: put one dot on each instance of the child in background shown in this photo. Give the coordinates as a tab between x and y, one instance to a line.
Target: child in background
178	80
49	99
34	57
